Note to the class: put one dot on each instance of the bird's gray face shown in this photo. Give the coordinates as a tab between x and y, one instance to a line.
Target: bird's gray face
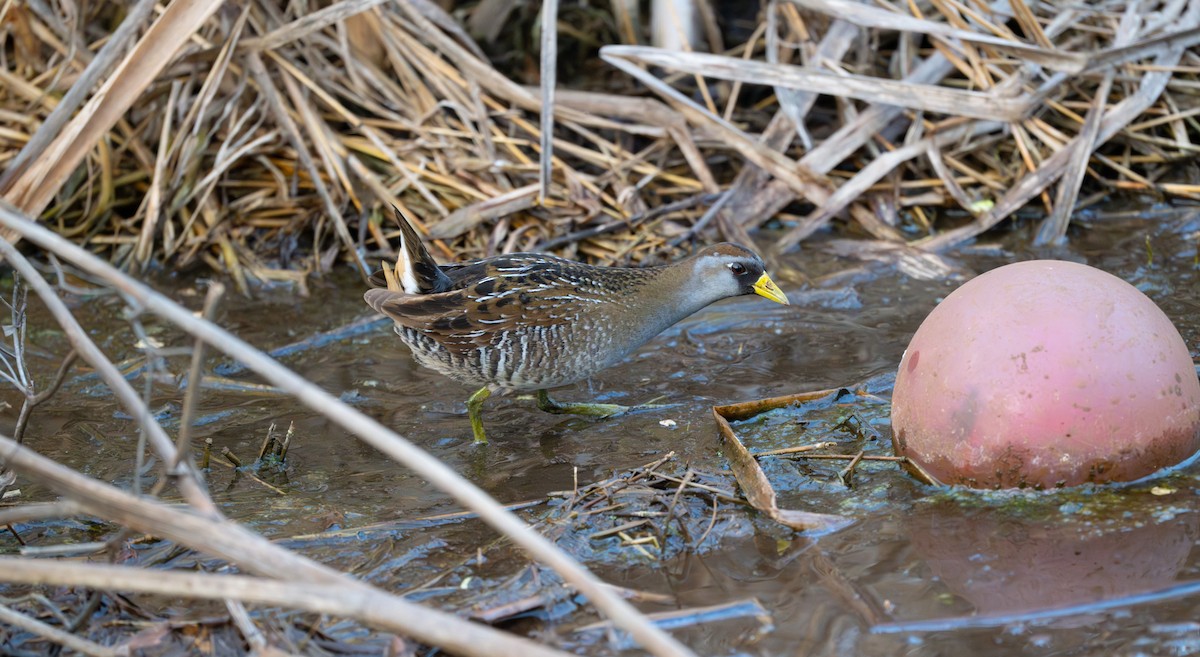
732	270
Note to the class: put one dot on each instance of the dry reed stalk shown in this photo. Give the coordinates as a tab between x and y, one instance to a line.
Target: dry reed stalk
549	71
36	186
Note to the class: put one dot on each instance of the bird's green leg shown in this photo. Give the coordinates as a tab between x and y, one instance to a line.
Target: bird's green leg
574	408
474	406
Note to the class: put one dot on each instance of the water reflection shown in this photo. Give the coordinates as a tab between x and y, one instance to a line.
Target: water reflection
1010	563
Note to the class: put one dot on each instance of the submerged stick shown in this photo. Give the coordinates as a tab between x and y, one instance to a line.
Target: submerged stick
1170	592
360	326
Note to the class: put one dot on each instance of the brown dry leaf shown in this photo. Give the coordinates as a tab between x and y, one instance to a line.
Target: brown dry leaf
151	637
758	489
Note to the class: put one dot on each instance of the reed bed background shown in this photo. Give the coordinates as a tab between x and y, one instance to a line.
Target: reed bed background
264	139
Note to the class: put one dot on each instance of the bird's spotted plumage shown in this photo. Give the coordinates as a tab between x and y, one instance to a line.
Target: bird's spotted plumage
522	321
530	321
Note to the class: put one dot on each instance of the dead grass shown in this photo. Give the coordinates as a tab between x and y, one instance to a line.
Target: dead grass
263	140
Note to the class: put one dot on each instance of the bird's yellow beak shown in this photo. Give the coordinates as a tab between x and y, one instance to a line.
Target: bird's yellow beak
766	287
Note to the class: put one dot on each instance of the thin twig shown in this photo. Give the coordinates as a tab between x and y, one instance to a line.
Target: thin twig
65	639
32	402
953	624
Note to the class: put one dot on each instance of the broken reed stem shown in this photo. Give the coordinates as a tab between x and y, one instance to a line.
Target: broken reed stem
231	457
183	444
848	471
281	448
268	443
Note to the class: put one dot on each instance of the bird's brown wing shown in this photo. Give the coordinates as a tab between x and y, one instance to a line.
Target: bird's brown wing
442	316
492	297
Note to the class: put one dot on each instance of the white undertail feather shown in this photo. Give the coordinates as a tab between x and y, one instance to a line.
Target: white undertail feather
408	278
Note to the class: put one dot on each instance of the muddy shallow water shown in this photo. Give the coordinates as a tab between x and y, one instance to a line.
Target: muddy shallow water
919	572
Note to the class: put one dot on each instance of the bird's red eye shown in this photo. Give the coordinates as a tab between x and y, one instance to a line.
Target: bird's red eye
737	268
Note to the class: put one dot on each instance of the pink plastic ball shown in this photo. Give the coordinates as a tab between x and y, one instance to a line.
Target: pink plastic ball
1045	374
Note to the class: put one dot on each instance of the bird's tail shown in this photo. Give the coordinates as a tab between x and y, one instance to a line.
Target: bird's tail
416	271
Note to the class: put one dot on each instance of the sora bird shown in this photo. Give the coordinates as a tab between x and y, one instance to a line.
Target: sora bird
531	321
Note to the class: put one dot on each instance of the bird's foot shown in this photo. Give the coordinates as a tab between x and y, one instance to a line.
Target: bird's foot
590	409
474	406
